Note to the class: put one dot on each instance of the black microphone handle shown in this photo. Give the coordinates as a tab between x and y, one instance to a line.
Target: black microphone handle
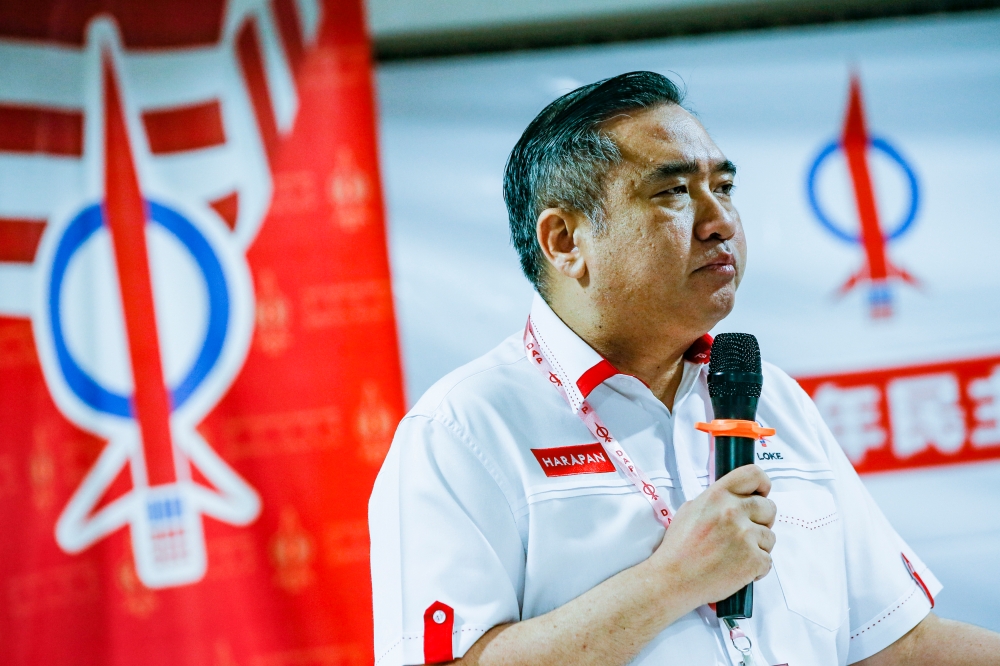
730	453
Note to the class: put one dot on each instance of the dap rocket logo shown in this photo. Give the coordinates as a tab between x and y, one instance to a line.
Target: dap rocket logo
858	151
142	194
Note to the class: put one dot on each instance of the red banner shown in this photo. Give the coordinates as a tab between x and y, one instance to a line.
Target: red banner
199	374
913	416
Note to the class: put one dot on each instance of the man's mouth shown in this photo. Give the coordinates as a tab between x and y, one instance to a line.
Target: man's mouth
723	264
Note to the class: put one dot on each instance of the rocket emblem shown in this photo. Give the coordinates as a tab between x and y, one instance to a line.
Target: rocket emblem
136	282
877	270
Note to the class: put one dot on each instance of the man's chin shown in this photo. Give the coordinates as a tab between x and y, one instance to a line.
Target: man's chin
719	304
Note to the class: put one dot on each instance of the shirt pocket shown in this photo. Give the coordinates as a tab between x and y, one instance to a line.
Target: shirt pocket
808	555
579	536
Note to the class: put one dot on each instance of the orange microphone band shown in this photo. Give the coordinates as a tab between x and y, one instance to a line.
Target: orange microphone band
735	428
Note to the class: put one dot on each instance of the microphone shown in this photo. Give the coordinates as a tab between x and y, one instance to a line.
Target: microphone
734	384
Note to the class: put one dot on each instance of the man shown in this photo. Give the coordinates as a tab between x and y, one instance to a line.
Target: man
505	531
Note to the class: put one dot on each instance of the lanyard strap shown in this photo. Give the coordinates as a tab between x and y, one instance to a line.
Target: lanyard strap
622	460
597	428
741	642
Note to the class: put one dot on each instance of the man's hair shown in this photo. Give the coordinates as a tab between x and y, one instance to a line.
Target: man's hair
563	156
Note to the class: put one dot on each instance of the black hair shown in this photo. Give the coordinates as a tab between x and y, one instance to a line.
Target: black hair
563	156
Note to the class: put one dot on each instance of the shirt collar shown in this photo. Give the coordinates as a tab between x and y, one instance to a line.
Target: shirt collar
580	368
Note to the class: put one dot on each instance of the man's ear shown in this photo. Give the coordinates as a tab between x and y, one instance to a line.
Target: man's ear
560	233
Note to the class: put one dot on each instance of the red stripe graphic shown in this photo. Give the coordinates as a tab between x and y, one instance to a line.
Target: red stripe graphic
40	130
19	239
252	63
165	23
184	128
291	31
125	213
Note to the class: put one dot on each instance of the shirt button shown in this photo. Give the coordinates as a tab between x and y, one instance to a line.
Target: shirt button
438	616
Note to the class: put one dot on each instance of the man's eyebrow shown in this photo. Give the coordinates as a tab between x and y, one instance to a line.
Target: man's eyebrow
686	168
725	167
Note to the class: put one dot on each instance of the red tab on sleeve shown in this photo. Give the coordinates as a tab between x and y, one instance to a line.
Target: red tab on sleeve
439	621
916	577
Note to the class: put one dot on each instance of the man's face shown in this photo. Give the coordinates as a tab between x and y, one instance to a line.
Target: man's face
673	251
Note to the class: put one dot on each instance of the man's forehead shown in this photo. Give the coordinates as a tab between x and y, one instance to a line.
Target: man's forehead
663	134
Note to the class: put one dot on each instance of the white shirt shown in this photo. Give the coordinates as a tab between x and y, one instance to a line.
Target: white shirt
463	516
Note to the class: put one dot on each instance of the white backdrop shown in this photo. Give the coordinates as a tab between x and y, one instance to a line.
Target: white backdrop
772	101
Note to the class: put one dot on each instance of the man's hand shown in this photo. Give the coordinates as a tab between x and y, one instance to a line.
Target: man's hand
721	540
717	543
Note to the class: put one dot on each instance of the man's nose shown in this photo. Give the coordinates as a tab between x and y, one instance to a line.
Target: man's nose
712	218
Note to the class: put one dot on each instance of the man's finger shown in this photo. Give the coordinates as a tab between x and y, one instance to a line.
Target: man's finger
760	510
765	568
766	539
746	480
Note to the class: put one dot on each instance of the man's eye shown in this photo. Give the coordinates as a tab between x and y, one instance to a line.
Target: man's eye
726	188
680	189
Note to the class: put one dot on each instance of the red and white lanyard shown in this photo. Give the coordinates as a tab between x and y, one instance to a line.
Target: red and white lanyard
624	463
604	437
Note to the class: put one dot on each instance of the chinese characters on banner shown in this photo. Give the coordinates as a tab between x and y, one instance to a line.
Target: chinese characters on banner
199	371
913	416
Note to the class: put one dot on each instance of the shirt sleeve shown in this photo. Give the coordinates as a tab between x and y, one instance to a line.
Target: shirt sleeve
442	532
885	600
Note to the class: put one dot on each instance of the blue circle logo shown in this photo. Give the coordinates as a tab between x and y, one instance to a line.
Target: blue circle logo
884	147
86	388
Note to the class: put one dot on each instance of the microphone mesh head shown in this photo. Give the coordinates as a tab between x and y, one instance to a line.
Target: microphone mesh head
734	352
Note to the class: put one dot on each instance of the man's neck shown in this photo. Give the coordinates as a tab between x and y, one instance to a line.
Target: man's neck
654	356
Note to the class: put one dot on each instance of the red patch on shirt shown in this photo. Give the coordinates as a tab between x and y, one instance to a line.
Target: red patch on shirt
439	624
579	459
